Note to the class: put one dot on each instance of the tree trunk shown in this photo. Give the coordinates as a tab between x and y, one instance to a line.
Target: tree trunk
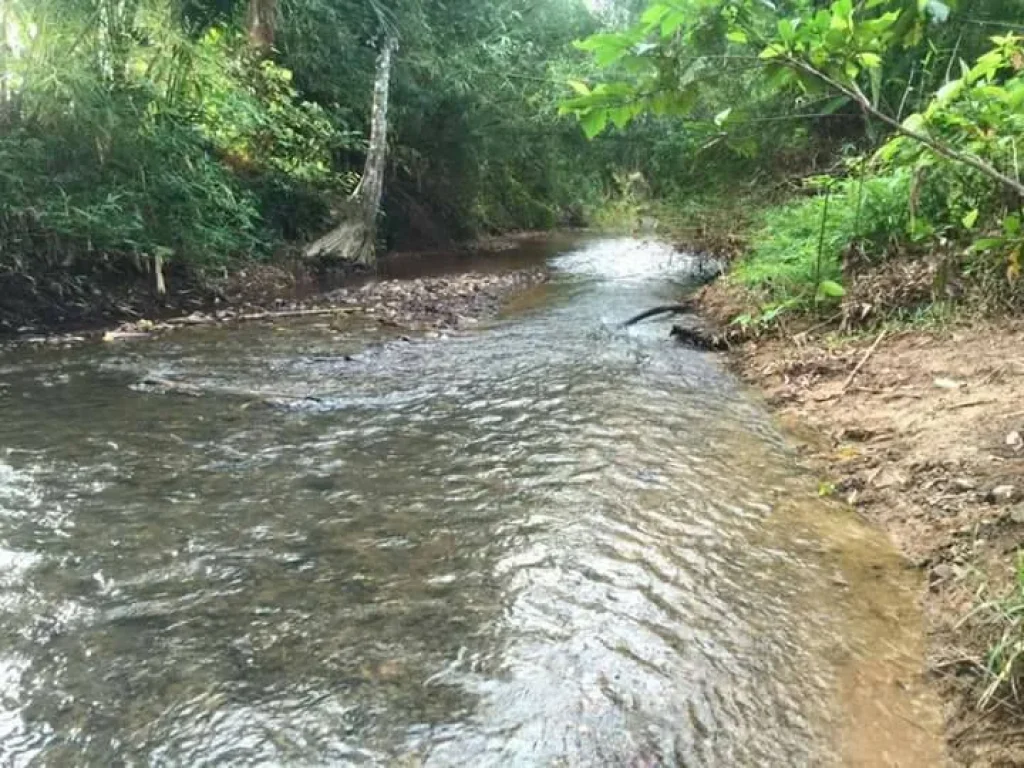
261	25
353	240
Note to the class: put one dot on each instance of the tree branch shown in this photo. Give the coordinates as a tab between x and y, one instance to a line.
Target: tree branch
938	147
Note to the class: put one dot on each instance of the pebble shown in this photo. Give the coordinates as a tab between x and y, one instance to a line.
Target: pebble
1017	514
964	484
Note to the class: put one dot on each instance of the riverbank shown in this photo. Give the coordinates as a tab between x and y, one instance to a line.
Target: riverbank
410	292
921	431
54	305
414	305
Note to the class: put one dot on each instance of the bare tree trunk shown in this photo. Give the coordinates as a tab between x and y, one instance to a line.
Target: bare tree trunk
261	25
353	240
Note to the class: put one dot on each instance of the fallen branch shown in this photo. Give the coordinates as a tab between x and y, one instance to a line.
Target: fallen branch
664	309
296	313
867	355
971	404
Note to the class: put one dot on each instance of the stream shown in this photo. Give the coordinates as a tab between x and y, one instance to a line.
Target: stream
545	542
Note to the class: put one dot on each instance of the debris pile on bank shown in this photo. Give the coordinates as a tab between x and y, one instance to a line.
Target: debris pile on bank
444	303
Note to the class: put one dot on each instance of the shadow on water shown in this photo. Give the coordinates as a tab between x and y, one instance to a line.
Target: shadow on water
550	542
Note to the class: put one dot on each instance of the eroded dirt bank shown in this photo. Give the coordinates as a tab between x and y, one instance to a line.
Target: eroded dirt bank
925	440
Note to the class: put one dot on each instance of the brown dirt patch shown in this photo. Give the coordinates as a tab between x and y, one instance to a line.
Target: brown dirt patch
918	441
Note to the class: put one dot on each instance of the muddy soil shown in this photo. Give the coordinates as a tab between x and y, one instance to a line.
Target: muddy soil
925	440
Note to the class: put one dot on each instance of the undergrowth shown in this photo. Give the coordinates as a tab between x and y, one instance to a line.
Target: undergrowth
1003	618
797	248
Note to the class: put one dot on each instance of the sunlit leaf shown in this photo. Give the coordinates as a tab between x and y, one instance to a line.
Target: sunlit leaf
831	289
580	87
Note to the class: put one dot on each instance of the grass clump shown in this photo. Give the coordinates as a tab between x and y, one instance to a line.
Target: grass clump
797	250
1003	619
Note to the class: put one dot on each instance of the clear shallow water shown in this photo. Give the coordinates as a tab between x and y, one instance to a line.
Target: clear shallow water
549	542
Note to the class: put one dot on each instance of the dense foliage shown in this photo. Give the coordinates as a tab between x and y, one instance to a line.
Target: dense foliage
198	132
914	110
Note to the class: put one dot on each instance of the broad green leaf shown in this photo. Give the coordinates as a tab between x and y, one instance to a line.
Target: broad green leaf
722	116
736	36
621	116
871	60
594	122
773	51
671	23
580	87
970	218
1011	225
987	244
654	14
786	31
831	288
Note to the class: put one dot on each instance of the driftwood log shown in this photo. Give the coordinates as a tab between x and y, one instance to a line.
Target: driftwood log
664	309
693	334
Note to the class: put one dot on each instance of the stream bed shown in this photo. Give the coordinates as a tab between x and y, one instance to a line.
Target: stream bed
548	541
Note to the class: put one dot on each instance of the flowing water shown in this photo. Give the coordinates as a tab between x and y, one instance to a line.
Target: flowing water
546	542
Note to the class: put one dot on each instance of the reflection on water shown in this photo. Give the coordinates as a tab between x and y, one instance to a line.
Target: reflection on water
551	542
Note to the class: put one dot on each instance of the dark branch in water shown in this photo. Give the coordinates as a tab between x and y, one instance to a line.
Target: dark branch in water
664	309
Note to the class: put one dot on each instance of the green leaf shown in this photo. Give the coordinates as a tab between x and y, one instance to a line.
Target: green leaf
621	116
722	116
671	23
773	51
580	87
786	31
986	244
594	122
737	36
654	14
970	218
870	60
831	289
1011	225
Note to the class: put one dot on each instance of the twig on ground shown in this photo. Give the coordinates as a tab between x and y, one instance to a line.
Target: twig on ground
296	313
972	403
867	355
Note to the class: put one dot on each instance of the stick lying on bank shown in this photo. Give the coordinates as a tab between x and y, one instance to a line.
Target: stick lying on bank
871	351
664	309
270	315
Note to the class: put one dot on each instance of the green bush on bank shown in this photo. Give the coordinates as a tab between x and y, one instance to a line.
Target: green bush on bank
799	245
